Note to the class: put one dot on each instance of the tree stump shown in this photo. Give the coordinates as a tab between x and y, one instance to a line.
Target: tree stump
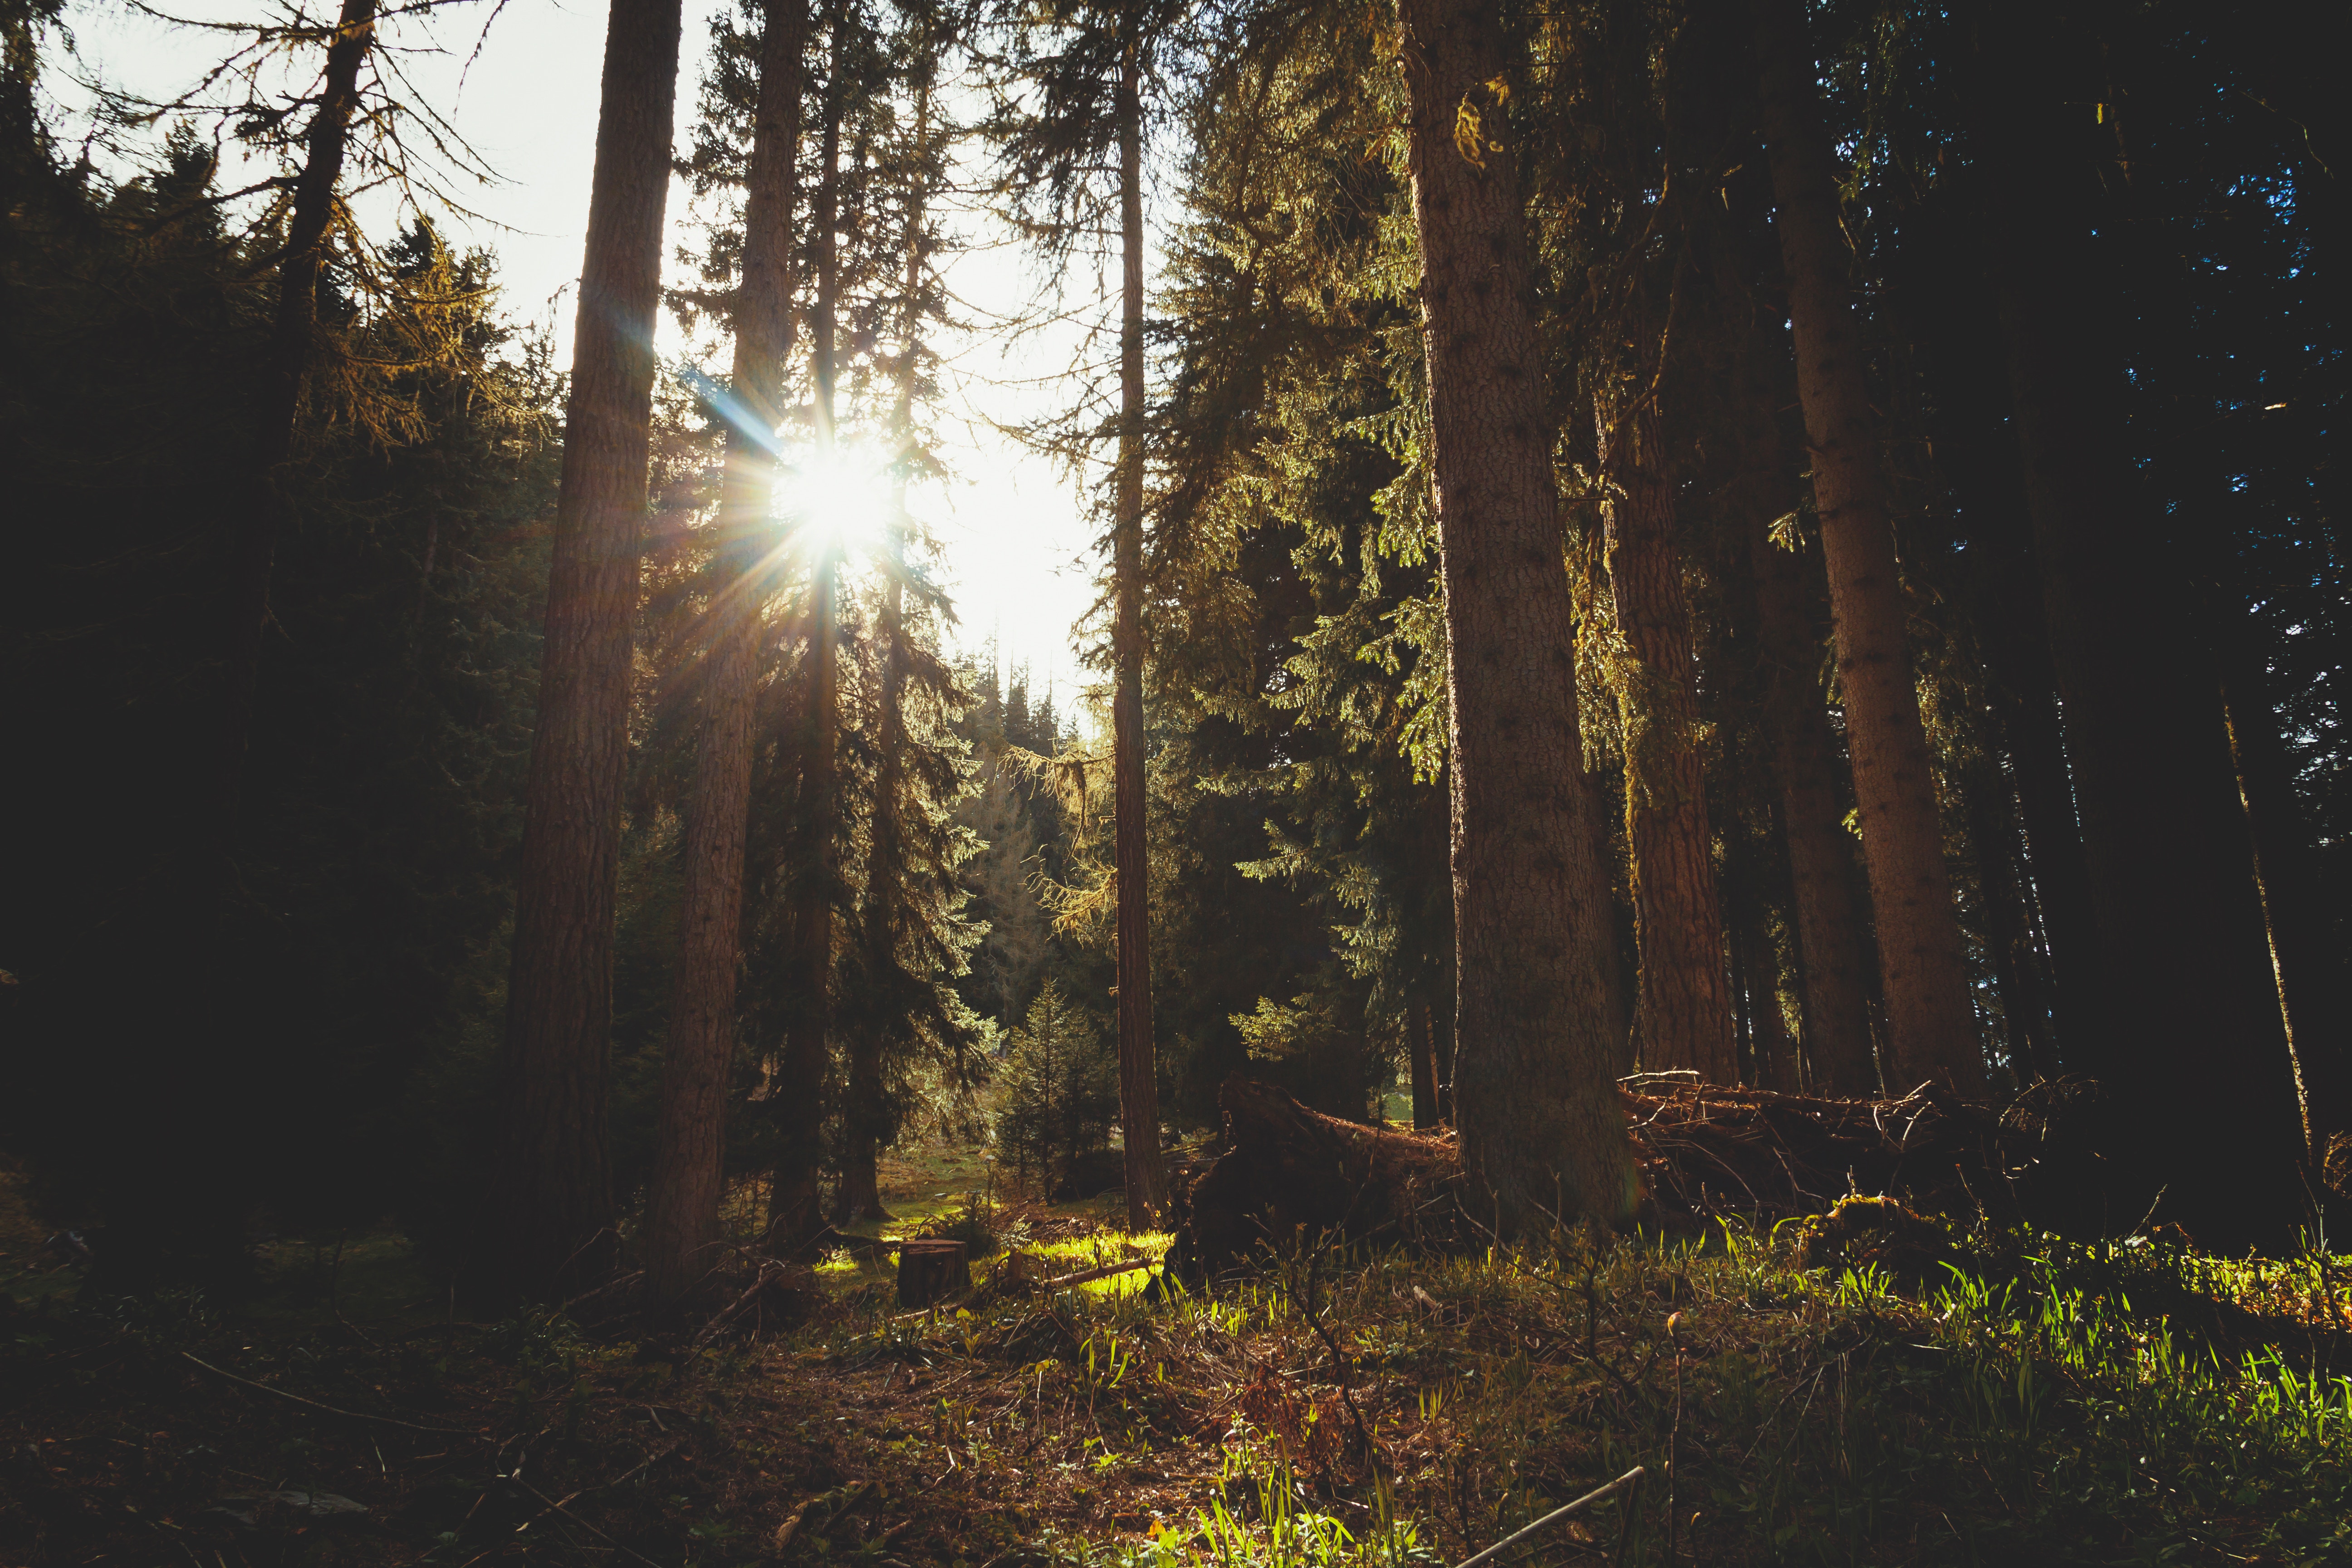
931	1270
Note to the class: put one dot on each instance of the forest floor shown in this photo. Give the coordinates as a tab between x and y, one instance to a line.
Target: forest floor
1793	1399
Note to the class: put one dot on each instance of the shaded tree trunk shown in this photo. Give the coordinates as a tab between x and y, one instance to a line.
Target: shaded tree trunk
1931	1026
1831	954
1683	1016
796	1203
2180	965
2016	963
551	1199
1139	1081
689	1159
2308	968
1537	1027
1421	1042
293	345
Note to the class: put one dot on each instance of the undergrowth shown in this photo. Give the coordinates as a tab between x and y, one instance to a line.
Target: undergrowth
2011	1400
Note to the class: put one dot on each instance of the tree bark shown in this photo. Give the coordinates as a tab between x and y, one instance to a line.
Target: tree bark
2016	965
1139	1080
551	1204
1930	1023
1683	1016
689	1159
1830	940
795	1211
1537	1029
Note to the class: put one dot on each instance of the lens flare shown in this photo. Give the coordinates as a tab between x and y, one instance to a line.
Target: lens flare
842	497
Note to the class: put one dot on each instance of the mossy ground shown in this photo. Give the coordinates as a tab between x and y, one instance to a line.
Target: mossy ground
2039	1402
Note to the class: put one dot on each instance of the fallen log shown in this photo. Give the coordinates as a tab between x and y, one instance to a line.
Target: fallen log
1289	1173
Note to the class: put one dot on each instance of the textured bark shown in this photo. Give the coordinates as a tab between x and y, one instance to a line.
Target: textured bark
689	1159
293	344
1830	953
1931	1026
551	1204
1139	1081
796	1212
1537	1029
1682	1017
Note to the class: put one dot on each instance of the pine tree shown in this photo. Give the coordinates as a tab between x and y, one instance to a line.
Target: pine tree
552	1203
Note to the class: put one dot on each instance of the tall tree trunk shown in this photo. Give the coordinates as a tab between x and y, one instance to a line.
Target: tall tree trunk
2180	960
2307	967
795	1204
1139	1080
861	1188
1683	1017
1538	1030
293	345
1831	954
551	1199
689	1159
1931	1026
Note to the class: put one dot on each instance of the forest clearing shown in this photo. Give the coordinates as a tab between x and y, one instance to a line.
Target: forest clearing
1174	783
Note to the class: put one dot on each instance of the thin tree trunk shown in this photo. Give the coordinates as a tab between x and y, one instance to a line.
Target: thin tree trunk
2016	965
1831	954
2308	968
1139	1080
293	344
861	1188
1421	1042
1683	1016
689	1159
1930	1022
552	1203
795	1208
1537	1027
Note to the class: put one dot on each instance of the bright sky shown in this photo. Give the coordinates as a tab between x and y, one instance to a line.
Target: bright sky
1016	534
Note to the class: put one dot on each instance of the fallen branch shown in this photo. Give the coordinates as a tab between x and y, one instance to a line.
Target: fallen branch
1632	1478
559	1508
329	1409
1088	1276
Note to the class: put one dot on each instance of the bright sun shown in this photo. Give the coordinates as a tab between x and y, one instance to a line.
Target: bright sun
843	497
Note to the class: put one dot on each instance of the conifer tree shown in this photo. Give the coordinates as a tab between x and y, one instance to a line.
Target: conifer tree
1930	1023
552	1203
682	1211
1538	1025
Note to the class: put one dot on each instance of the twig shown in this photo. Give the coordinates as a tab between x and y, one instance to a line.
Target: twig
584	1524
1630	1479
769	1271
1086	1276
329	1409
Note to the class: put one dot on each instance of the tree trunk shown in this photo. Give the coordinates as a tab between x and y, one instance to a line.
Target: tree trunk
2307	967
1426	1115
1830	940
1139	1081
1683	1016
551	1204
2016	965
795	1211
1537	1030
1931	1026
292	346
861	1189
2180	961
689	1159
